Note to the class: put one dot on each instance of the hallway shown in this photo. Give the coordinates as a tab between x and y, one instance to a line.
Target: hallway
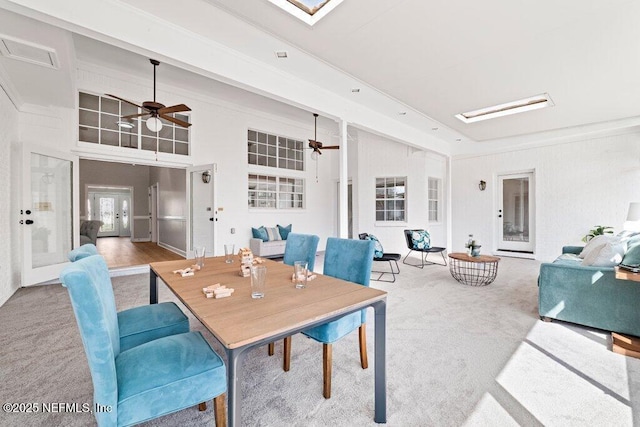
120	252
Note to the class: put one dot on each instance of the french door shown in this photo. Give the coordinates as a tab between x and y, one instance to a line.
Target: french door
49	214
516	213
114	210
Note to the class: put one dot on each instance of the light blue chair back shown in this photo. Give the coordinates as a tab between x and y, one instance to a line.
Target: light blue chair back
94	306
349	259
83	251
301	247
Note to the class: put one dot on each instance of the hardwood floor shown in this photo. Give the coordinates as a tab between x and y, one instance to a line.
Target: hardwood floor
122	252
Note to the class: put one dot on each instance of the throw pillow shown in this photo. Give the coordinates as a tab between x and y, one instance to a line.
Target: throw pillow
284	231
273	233
260	233
609	254
378	251
595	243
420	239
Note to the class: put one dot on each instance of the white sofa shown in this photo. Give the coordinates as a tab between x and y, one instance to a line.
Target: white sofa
271	249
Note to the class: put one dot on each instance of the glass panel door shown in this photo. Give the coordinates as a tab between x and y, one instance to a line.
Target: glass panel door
515	213
48	213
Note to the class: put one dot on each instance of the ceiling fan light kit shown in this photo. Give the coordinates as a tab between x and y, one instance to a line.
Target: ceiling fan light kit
316	145
154	124
153	109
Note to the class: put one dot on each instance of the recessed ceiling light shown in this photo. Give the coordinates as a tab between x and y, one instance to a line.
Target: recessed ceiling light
434	128
282	54
513	107
402	113
355	90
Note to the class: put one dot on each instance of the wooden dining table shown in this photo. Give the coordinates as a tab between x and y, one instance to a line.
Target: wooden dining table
240	322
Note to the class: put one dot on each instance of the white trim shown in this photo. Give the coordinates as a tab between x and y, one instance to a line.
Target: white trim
172	249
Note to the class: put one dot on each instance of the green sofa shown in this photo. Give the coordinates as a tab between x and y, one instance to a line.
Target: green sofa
587	295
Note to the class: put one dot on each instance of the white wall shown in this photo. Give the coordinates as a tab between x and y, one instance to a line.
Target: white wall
172	207
9	228
578	184
379	157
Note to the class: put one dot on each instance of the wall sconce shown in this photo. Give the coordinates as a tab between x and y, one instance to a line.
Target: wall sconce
482	185
206	177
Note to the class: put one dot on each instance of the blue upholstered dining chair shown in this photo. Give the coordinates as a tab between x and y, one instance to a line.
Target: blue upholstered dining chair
300	247
349	260
139	325
147	381
83	251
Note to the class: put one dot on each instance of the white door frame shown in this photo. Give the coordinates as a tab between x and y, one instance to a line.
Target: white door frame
32	275
153	212
513	248
213	169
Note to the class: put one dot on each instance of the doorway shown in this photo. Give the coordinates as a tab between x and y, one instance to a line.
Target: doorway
112	206
516	213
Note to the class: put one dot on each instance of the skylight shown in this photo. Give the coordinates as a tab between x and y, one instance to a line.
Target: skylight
513	107
308	11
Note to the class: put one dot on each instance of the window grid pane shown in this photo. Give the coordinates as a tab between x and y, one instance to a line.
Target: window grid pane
274	151
433	195
391	199
98	117
266	191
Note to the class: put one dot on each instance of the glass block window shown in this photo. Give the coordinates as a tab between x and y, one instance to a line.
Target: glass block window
391	198
434	199
98	118
275	192
274	151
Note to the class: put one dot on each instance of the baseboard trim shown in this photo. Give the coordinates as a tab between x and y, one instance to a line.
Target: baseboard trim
172	249
141	239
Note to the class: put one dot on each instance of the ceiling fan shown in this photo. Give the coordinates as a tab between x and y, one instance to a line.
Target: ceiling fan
155	110
316	145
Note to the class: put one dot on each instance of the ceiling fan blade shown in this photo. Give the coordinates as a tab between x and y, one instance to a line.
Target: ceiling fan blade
131	116
123	100
174	109
330	147
176	121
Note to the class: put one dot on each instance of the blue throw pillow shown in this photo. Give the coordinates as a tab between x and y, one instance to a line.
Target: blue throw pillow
377	251
260	233
284	231
420	239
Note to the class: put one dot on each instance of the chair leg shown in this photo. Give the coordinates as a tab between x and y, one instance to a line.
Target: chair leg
202	406
286	363
362	332
326	370
272	347
219	411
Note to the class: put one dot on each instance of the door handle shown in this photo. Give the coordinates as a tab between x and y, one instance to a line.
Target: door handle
210	219
28	222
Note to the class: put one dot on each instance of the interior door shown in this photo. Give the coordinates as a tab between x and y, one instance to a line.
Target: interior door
516	213
49	214
202	209
106	208
113	209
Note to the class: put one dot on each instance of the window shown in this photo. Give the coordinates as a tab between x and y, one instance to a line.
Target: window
391	198
434	199
275	192
98	118
275	151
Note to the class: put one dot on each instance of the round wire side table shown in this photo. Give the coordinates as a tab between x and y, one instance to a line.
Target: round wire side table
473	270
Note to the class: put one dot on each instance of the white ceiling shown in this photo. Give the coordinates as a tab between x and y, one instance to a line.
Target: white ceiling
447	57
431	59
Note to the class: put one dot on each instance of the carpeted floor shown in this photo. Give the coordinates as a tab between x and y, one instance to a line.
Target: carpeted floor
456	355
